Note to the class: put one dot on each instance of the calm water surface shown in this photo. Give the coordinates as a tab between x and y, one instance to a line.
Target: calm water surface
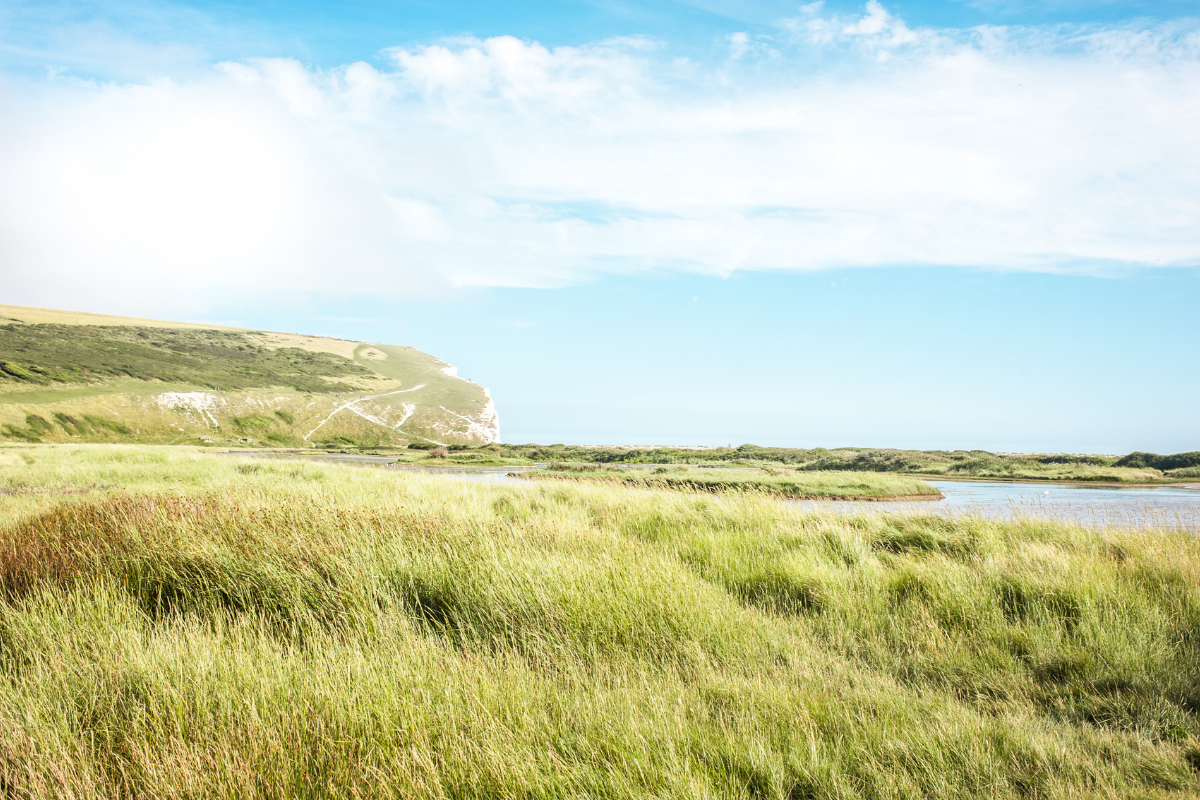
1176	506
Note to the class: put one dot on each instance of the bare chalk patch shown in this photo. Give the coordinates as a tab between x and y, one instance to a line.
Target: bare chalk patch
201	403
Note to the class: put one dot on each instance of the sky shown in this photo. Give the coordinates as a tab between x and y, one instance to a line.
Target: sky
915	224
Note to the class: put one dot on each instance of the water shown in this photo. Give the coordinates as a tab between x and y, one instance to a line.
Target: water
473	474
1173	506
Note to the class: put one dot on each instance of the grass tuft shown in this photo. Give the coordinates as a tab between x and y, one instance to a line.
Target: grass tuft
205	627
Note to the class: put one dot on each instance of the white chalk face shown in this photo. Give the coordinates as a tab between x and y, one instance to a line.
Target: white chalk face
828	141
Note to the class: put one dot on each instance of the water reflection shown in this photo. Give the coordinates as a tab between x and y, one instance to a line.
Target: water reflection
1096	506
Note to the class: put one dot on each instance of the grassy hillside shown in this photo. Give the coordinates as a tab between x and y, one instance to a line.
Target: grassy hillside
770	481
72	377
173	624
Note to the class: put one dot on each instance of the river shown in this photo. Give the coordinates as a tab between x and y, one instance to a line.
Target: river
1170	506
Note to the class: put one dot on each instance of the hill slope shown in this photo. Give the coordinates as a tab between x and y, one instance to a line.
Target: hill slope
68	376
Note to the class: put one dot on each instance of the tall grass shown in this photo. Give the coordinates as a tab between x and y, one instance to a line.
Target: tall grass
214	628
1184	472
1134	468
768	480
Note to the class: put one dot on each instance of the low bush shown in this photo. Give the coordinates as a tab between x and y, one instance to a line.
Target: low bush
1184	472
1155	461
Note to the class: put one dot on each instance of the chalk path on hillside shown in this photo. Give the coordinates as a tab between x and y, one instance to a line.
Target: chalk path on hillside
351	404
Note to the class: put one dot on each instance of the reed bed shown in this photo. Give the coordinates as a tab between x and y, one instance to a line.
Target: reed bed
764	480
209	628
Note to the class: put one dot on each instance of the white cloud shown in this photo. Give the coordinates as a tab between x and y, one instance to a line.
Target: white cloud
504	162
878	22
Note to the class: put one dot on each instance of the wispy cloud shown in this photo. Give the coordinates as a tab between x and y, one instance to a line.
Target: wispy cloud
837	141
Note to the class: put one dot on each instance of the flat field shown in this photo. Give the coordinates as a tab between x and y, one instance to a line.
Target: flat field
769	481
174	624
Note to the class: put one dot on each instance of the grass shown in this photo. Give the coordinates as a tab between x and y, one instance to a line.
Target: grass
214	627
117	370
770	481
1068	473
215	359
1185	472
967	464
30	394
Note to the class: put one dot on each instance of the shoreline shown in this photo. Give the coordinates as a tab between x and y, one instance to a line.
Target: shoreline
1186	483
698	489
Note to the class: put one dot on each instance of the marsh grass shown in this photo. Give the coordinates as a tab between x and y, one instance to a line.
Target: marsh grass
215	628
768	480
1184	472
963	464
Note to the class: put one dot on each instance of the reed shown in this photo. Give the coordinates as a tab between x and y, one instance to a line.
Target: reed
764	480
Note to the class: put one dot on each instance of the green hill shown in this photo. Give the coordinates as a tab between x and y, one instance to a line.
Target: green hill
67	376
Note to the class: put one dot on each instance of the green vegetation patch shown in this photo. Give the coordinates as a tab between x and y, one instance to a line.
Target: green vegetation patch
789	483
37	426
214	359
1135	468
219	628
1175	461
1185	472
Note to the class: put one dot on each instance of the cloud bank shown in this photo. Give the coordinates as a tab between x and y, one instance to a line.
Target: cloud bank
837	141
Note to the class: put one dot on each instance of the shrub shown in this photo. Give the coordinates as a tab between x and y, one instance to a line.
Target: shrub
252	424
71	425
37	424
1184	472
10	370
1155	461
107	424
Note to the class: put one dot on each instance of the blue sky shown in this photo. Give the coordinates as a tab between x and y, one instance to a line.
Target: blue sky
333	33
933	225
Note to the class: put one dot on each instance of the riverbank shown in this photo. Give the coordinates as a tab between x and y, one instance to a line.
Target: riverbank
776	483
1122	484
1134	468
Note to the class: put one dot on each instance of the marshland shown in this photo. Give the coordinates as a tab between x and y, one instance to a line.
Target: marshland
177	624
767	480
